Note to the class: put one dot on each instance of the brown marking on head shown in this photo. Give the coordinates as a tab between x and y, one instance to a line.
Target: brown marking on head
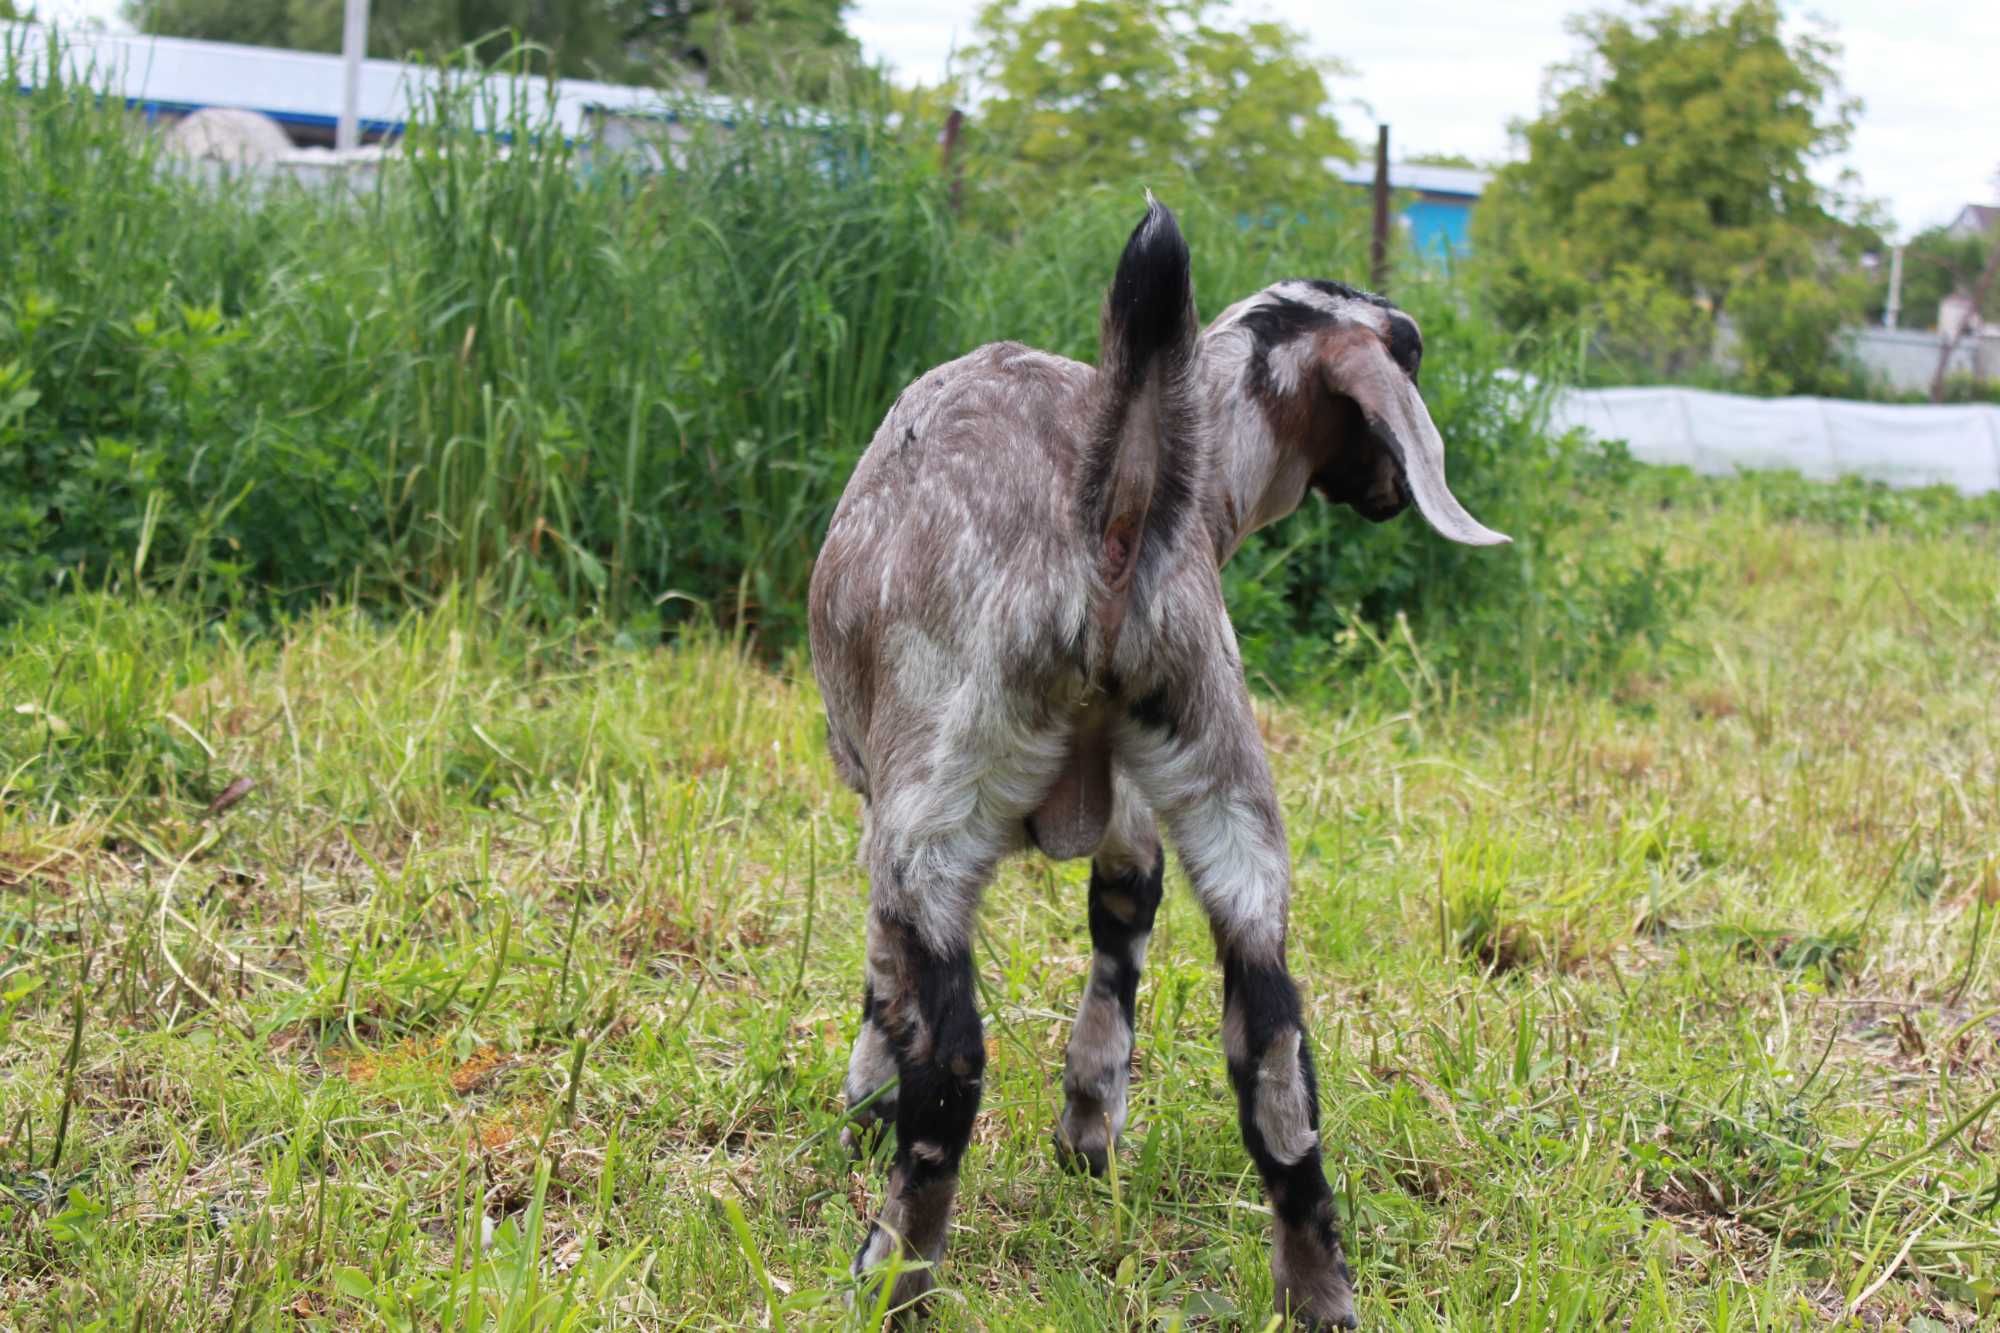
1349	465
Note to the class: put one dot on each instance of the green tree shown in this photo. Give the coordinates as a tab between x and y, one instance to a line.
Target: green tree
1134	93
1668	180
1447	160
802	44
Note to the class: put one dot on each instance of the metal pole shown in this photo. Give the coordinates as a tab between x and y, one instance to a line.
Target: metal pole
1378	249
1890	315
353	46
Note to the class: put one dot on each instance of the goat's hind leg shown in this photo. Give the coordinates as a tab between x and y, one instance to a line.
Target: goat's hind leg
920	997
1125	878
1205	772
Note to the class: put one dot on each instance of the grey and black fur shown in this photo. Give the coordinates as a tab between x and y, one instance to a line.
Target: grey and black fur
1018	630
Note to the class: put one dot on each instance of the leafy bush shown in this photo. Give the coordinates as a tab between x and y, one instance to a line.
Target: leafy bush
1788	329
573	387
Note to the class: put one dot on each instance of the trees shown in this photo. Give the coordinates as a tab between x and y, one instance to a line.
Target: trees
1144	92
1667	181
737	42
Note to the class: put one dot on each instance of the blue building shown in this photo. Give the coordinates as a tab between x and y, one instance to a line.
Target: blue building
1436	202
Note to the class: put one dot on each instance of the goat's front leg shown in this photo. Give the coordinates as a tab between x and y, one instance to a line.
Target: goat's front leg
1125	878
921	1000
1193	748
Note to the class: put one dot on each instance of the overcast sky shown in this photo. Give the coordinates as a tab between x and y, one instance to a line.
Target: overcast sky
1448	75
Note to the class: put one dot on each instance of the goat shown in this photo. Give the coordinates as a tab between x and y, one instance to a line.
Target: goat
1019	635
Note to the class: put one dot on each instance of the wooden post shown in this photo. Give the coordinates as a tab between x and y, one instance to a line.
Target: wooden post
948	160
1378	248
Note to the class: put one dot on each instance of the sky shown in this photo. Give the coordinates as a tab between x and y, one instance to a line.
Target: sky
1449	75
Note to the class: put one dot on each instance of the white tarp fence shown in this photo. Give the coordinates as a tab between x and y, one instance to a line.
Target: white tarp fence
1719	434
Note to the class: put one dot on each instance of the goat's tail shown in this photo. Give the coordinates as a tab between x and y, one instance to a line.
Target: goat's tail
1139	463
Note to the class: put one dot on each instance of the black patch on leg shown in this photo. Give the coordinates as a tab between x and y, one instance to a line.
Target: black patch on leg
938	1096
1268	1007
1264	1004
941	1064
1113	932
1096	1068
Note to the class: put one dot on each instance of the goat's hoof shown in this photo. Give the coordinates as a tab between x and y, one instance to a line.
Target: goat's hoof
1311	1280
1084	1138
1325	1304
1337	1312
909	1302
1092	1158
908	1298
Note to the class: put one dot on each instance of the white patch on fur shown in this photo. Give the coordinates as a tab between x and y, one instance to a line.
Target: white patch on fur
871	1064
881	1244
1284	1109
1213	789
1097	1069
1131	843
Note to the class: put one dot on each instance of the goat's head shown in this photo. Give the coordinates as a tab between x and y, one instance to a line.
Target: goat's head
1334	371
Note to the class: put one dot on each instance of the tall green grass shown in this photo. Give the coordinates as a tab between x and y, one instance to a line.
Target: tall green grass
519	368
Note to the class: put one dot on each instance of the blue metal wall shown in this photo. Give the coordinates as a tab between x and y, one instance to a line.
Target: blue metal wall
1440	228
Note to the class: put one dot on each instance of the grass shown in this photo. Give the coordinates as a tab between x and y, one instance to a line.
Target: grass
515	988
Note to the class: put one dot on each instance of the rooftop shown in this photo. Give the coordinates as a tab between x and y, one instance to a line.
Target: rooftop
1468	182
304	87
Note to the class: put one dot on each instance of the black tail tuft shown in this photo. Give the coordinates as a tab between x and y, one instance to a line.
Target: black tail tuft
1150	307
1140	462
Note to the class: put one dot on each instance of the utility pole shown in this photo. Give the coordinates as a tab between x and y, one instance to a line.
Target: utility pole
353	46
1895	307
1378	248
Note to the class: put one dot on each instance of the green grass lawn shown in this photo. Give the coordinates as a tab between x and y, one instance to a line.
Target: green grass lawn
517	986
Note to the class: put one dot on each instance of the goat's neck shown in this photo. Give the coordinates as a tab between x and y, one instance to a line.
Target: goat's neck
1256	479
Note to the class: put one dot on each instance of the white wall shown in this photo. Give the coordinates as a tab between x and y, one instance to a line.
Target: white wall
1906	359
1718	434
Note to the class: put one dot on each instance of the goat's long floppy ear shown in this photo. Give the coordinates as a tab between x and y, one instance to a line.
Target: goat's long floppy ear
1360	369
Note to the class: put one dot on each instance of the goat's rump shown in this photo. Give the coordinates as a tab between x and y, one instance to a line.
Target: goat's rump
950	559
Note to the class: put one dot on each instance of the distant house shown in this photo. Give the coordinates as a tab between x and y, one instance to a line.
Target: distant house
1437	214
169	78
1975	220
